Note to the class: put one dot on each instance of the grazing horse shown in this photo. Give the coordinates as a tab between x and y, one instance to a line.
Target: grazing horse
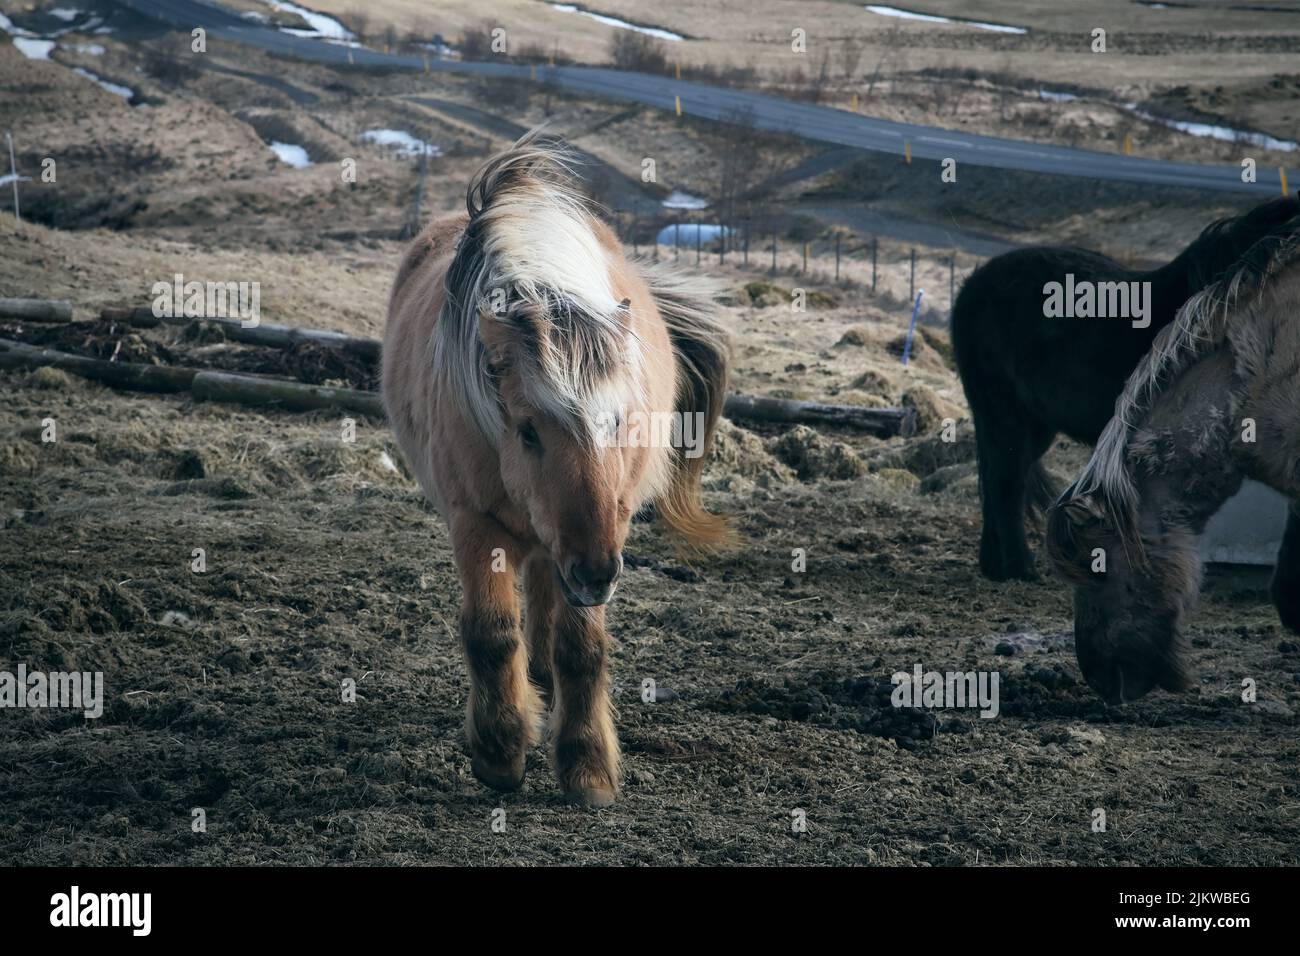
1215	401
1028	377
520	343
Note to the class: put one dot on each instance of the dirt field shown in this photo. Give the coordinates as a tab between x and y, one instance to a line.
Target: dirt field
323	562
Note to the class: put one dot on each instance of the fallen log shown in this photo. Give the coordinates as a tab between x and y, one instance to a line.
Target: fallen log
36	310
129	375
270	334
298	396
883	422
282	393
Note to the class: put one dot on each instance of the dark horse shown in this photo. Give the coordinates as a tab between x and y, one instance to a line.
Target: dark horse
1028	377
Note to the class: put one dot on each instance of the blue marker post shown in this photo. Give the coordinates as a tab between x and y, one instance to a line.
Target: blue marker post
911	329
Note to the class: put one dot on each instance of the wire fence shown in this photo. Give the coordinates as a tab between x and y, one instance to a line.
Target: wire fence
893	270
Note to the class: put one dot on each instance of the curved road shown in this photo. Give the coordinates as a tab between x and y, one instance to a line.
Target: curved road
818	123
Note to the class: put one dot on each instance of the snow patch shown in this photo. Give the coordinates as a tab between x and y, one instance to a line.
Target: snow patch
34	49
403	143
884	11
689	234
116	89
616	22
321	26
1210	131
292	155
681	200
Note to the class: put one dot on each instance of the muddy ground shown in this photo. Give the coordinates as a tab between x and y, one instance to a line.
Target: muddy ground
323	563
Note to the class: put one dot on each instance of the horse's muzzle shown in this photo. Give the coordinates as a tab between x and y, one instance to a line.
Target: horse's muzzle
586	583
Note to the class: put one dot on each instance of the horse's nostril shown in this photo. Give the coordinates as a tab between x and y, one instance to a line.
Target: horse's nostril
596	574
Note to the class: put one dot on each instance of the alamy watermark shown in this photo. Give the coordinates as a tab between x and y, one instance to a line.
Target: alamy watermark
73	909
685	430
935	690
208	300
70	690
1086	299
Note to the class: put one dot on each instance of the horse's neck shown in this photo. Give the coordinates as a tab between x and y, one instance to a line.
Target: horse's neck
1194	268
1174	283
1188	450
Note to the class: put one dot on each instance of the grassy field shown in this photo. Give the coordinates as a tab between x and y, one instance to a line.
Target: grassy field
1235	60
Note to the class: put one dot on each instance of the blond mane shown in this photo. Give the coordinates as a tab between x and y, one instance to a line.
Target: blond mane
531	256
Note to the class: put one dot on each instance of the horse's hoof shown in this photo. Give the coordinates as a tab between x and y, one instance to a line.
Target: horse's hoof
506	778
592	797
1008	572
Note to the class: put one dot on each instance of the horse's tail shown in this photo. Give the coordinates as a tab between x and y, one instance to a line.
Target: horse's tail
1040	491
702	351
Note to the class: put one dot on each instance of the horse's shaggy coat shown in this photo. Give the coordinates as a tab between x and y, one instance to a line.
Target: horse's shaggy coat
517	333
1028	377
1216	400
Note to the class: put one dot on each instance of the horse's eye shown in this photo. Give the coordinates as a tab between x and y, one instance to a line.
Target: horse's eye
528	435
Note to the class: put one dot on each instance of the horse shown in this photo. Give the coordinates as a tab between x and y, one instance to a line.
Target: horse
1215	401
1028	378
520	342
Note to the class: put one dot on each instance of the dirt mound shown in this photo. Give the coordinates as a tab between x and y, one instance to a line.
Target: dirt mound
931	410
813	456
739	453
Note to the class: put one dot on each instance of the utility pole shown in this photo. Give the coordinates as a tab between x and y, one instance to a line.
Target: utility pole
13	169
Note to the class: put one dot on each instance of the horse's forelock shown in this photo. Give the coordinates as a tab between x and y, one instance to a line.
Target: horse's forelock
531	258
575	365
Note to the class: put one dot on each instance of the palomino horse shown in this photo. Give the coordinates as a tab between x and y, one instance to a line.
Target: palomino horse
520	344
1217	400
1028	377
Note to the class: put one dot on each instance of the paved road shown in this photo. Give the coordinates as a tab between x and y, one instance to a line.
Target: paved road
617	190
811	122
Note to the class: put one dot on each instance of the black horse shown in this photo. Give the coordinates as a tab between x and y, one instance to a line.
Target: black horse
1029	377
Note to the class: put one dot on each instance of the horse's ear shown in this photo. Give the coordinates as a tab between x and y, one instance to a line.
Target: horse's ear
494	331
1083	511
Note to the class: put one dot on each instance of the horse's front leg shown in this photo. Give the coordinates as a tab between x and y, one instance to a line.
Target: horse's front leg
1285	589
503	712
586	746
542	599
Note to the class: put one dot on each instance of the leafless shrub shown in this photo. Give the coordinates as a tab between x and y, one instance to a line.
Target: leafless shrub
822	82
507	93
851	51
746	158
357	22
637	52
164	64
476	42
